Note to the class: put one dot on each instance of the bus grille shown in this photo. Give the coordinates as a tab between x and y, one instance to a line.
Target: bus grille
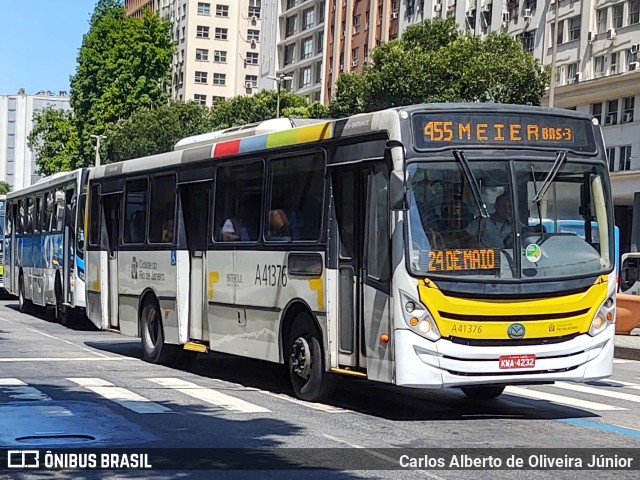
522	342
512	318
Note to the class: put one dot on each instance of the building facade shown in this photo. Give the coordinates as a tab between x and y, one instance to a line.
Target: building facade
18	163
218	47
135	8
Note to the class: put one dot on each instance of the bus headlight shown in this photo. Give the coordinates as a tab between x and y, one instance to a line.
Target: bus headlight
605	316
417	316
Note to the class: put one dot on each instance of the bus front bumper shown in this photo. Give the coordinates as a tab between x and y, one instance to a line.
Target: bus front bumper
421	363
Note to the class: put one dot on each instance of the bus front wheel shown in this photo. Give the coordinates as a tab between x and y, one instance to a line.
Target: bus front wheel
22	300
154	350
308	377
485	392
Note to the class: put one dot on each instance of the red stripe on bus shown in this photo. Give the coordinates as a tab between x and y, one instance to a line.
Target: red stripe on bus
227	148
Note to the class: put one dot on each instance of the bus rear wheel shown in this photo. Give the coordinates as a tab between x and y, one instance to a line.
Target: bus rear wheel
309	379
154	350
23	303
484	392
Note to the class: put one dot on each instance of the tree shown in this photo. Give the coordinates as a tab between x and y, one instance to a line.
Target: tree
124	65
434	62
4	188
151	131
54	140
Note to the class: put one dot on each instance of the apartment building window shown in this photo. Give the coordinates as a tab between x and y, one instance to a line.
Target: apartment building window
530	4
321	9
318	72
219	78
596	112
222	10
618	12
528	40
291	4
202	54
558	75
222	33
204	8
632	60
251	81
611	158
634	12
559	35
307	48
253	36
629	106
202	31
612	113
355	54
252	58
574	28
201	77
255	8
601	20
308	17
624	160
356	24
572	72
184	30
290	28
600	65
289	52
220	56
201	99
319	42
305	78
613	69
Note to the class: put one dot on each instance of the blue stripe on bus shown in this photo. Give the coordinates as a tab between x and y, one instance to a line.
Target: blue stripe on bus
251	144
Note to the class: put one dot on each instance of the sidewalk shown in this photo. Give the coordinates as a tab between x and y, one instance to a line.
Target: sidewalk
628	346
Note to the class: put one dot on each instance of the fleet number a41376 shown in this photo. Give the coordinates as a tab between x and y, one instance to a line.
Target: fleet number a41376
271	275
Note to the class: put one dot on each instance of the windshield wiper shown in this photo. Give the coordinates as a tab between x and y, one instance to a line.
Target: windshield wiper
475	188
535	191
555	168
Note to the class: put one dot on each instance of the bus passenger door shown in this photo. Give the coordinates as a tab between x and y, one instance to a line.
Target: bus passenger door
346	252
112	211
195	200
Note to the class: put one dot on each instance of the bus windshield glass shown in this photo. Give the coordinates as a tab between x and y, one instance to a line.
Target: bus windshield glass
521	238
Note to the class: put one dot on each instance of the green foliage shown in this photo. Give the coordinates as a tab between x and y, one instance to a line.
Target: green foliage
151	131
54	140
434	62
124	65
311	110
4	188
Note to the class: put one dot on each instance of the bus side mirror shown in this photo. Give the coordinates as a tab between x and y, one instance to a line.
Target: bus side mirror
630	273
397	190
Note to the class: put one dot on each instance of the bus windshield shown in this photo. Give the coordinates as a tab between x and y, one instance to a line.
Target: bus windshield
449	236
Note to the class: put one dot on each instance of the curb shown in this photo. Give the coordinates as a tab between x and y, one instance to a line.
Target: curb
626	353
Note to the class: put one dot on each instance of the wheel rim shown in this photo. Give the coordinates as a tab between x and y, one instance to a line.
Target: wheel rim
301	361
152	327
21	297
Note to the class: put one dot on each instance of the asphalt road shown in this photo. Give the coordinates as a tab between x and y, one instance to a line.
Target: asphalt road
70	388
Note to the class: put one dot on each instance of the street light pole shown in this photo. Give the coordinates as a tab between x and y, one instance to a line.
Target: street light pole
98	138
554	47
279	79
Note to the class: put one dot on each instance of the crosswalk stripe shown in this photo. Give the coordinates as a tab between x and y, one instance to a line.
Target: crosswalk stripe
598	391
315	406
19	390
621	360
634	386
208	395
119	395
560	399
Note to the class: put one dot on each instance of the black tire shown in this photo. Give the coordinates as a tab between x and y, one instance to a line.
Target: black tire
24	304
61	313
305	358
154	350
485	392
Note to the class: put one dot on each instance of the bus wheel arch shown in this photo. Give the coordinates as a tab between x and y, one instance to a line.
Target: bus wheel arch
304	355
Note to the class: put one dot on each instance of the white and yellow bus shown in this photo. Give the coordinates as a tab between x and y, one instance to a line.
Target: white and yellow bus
405	246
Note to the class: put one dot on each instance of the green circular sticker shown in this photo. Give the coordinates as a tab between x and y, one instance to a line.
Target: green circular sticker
533	252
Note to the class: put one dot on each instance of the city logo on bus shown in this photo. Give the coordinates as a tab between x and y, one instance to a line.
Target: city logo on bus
515	330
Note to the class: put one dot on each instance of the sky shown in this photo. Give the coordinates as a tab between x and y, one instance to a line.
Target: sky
40	42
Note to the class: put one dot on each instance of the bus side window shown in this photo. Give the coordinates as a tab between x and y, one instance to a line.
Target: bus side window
50	211
94	216
30	214
378	224
161	220
135	215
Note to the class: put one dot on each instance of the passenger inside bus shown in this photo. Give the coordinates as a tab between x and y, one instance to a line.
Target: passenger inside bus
167	231
279	226
234	228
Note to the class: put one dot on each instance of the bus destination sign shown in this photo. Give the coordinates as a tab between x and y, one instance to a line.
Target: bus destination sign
459	129
464	260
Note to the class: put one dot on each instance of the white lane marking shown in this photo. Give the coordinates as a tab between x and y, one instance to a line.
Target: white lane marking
19	390
626	428
208	395
597	391
316	406
622	360
560	399
64	359
634	386
93	352
379	455
121	396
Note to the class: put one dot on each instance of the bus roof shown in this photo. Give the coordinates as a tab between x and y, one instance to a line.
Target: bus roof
48	183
